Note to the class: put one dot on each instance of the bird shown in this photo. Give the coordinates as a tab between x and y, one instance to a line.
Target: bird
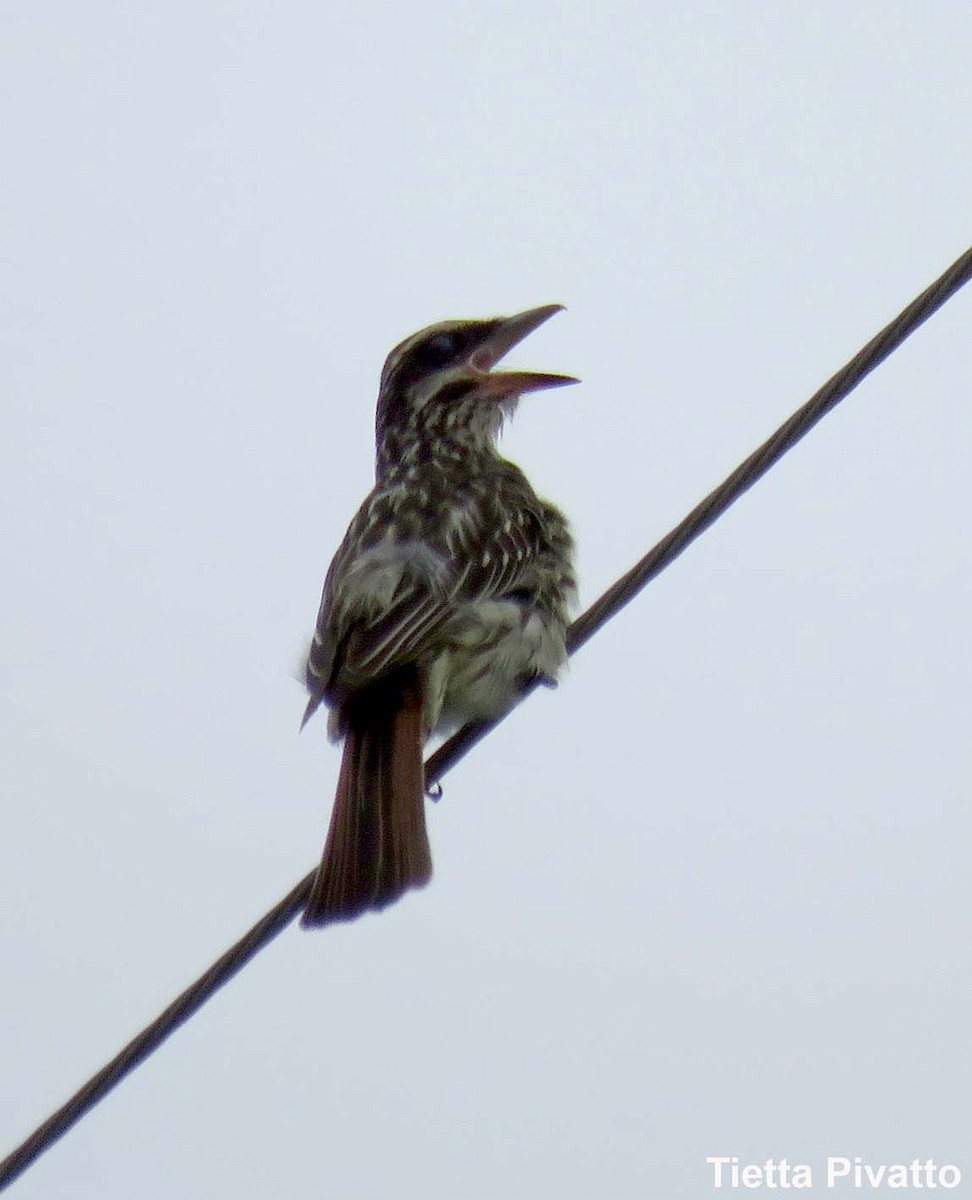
450	592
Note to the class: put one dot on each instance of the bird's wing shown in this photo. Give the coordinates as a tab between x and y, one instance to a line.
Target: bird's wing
385	603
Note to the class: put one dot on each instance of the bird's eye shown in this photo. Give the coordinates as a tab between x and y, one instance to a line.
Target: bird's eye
440	349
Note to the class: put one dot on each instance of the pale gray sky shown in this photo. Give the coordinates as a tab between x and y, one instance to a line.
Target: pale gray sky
711	896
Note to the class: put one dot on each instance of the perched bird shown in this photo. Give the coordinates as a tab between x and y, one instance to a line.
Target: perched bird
450	591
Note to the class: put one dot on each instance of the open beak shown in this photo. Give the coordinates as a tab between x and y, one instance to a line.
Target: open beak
507	333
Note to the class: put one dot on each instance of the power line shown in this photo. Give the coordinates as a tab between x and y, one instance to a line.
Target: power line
584	628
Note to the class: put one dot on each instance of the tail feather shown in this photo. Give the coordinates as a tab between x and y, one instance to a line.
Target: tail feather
377	846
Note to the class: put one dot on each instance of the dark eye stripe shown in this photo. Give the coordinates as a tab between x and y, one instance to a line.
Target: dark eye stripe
438	350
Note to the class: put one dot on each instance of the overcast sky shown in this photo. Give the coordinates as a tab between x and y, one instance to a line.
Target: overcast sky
711	896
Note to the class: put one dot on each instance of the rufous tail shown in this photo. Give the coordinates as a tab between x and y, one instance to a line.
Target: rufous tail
377	846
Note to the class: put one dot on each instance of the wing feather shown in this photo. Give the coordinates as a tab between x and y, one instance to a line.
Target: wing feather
387	599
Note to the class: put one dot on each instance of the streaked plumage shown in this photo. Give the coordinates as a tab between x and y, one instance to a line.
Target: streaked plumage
450	590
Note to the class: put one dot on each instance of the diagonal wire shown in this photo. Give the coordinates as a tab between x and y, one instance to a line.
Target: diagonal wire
584	628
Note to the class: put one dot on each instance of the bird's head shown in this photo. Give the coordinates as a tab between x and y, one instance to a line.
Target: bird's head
440	382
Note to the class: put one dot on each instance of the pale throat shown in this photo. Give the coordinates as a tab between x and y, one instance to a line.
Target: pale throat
462	432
